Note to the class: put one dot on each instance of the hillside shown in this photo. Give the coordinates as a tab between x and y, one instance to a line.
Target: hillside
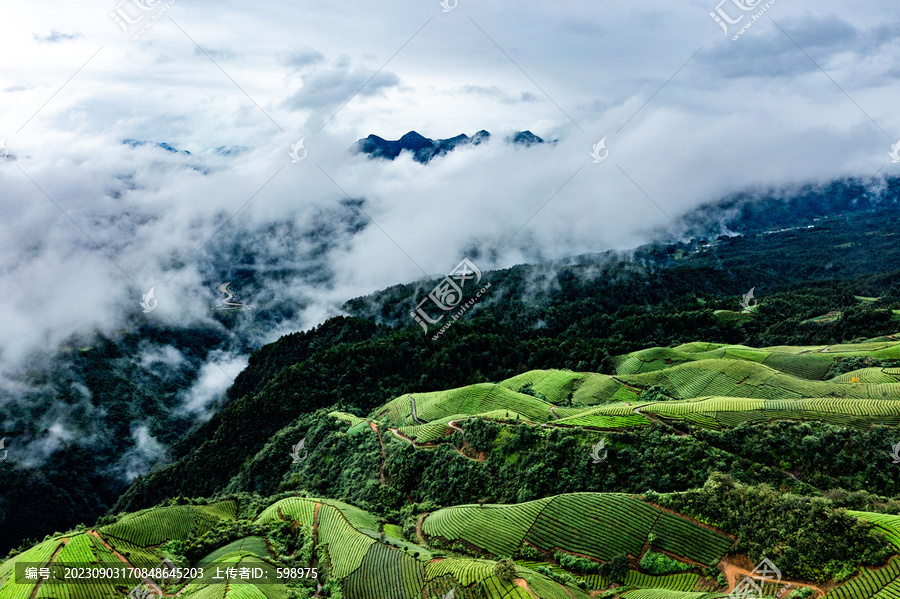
584	482
450	300
566	547
574	315
549	426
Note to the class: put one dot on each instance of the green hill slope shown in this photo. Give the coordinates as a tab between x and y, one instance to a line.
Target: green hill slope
810	362
349	556
706	383
596	525
352	559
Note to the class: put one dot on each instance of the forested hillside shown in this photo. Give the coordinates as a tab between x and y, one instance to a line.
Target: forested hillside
645	387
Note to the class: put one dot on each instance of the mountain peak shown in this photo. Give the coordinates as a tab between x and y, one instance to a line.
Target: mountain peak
134	143
424	148
525	138
414	136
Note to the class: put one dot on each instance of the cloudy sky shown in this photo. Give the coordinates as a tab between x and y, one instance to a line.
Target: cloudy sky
689	112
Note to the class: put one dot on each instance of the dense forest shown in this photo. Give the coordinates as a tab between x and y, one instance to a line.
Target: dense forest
574	315
585	313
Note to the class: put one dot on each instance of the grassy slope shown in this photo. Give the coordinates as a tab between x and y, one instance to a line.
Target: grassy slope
595	526
719	385
364	566
749	386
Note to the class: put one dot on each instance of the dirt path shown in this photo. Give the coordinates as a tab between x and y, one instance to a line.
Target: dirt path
374	427
420	538
315	525
520	582
653	419
412	403
150	583
733	573
37	587
656	420
121	557
314	563
480	456
400	435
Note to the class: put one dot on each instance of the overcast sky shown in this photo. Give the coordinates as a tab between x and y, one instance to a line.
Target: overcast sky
689	114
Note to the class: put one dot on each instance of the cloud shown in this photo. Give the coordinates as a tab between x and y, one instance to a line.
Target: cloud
328	87
91	224
55	37
498	94
145	453
214	378
215	53
303	57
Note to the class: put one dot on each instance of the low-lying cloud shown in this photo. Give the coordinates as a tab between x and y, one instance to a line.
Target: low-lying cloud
91	224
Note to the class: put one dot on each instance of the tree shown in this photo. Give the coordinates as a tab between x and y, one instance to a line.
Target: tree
505	569
616	569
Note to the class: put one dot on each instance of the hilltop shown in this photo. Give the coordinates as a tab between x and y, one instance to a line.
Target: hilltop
424	149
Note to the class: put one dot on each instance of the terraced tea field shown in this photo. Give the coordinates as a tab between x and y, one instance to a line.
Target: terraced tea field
352	554
872	583
707	385
597	525
368	568
810	362
455	551
889	524
152	527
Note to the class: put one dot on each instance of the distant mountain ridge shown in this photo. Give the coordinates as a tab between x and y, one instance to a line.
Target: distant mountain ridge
134	143
424	148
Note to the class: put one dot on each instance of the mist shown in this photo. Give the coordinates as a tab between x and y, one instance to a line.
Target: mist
91	224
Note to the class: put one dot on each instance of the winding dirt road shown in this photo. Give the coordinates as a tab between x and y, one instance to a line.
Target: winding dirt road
734	573
374	427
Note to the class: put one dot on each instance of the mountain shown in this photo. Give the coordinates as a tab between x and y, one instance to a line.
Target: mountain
425	149
525	138
573	314
163	145
587	313
551	462
618	374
